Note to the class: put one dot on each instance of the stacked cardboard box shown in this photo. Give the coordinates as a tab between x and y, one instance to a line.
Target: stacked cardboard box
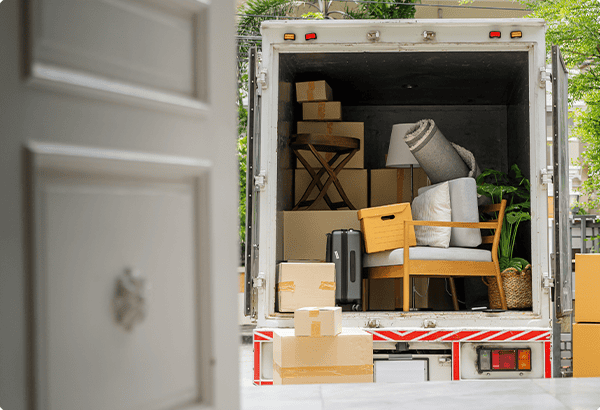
318	350
586	330
302	284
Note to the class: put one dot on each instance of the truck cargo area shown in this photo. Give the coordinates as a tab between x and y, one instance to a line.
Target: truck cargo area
479	100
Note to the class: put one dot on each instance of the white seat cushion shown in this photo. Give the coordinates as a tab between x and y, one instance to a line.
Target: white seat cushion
396	256
463	200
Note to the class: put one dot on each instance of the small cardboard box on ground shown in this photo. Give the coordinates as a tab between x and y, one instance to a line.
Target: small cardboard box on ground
345	358
587	307
304	232
586	355
392	186
354	182
305	284
313	91
341	129
322	111
383	227
318	322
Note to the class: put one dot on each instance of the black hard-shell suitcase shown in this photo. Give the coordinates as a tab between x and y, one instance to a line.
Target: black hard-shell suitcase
344	248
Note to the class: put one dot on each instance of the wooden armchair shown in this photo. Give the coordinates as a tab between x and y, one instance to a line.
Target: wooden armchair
448	262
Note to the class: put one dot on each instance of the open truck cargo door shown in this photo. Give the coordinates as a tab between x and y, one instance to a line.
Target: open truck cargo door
563	289
253	184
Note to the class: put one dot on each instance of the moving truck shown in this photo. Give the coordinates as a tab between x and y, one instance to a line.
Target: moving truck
484	82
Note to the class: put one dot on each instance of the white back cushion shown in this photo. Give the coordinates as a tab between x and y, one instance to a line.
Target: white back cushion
463	197
433	205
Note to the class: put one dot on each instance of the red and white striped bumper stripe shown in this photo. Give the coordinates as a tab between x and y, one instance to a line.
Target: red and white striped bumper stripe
260	336
459	335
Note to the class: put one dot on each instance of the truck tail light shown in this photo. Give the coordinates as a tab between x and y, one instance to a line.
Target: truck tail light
310	36
524	359
501	359
516	34
495	34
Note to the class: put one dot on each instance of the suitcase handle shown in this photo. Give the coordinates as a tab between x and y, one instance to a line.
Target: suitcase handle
388	217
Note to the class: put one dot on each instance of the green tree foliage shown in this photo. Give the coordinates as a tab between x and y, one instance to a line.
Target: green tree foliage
384	9
574	25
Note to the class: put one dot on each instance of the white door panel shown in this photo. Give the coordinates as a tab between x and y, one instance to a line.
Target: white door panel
114	154
93	233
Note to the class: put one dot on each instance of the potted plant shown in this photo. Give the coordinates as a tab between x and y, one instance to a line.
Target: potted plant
515	271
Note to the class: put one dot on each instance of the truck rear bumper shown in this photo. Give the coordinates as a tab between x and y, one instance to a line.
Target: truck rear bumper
459	341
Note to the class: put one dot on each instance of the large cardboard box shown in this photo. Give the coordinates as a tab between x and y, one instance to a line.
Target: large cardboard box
383	227
304	232
392	185
318	322
305	284
322	111
587	279
342	129
346	358
313	91
354	182
586	355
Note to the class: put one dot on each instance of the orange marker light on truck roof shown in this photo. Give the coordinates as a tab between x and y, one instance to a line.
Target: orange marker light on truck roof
289	36
516	34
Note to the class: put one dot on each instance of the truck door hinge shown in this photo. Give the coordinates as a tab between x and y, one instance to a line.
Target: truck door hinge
546	176
547	281
260	180
545	75
261	79
259	281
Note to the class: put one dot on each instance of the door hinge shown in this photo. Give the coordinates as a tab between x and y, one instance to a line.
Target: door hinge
545	75
259	280
261	77
546	176
547	281
260	181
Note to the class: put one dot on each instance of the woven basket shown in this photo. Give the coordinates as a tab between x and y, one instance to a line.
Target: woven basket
517	289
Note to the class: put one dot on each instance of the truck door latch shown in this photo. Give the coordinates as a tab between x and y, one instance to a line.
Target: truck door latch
544	76
547	176
261	79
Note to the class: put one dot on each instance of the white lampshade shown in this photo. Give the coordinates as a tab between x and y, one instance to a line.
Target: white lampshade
399	155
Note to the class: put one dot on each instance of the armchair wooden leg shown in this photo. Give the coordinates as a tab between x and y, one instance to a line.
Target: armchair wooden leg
453	290
406	292
501	290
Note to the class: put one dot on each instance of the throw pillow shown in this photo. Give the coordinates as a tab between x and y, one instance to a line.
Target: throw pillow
433	205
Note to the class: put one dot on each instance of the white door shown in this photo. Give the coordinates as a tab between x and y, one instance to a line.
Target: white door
118	205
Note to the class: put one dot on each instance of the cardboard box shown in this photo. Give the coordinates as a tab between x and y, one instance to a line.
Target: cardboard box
346	358
304	232
322	111
383	227
313	91
392	185
586	355
342	129
587	307
318	322
354	182
305	284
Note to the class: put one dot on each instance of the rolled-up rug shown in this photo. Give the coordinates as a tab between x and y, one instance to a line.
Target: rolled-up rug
436	155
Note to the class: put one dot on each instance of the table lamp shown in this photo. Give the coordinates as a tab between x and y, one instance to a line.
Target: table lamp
399	155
